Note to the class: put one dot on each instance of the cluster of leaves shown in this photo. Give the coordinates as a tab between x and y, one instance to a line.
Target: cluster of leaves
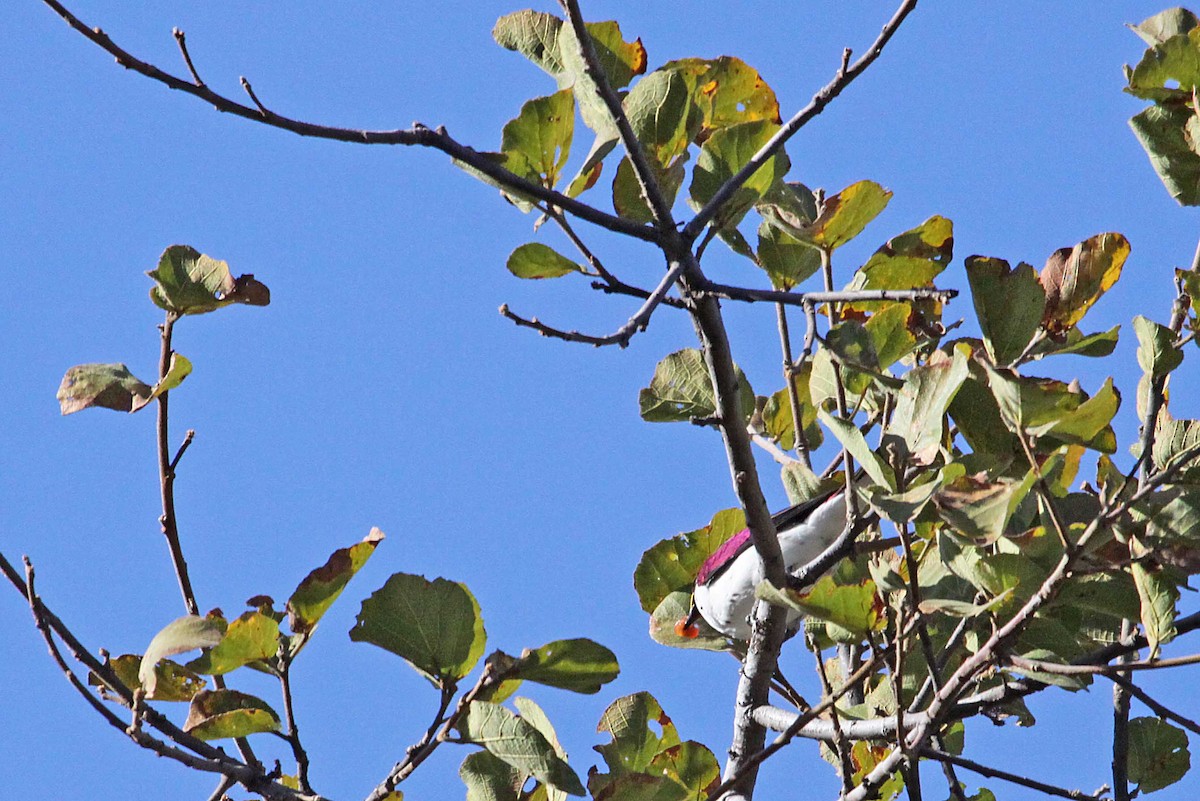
976	458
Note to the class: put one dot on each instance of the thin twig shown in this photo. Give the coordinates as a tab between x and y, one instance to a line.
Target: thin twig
218	794
293	732
1159	709
751	295
785	344
841	746
1024	663
181	38
845	75
166	475
187	443
418	135
1003	775
621	337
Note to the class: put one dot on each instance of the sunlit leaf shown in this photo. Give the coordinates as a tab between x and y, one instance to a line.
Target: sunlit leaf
108	386
252	637
853	441
856	608
1156	353
777	412
578	665
1158	754
722	155
218	714
909	260
1169	70
188	282
787	260
662	114
681	390
535	260
843	216
320	588
923	400
691	764
433	625
891	333
1009	303
1077	343
1075	278
173	682
727	91
637	787
672	564
518	743
537	143
634	743
978	508
628	200
179	636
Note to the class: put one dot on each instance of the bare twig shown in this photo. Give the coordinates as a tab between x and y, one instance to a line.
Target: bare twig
841	746
419	135
181	38
785	343
166	475
996	773
187	443
218	794
845	75
750	295
293	732
1120	740
1159	709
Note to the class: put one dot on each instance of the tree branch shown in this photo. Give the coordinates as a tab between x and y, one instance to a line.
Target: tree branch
418	135
805	299
635	324
996	773
844	77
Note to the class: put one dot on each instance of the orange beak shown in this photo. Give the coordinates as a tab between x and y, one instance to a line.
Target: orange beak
686	627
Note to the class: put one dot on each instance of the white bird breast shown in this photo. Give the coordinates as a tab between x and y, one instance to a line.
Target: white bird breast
728	600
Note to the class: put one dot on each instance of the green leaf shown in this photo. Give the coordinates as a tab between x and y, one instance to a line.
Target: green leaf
490	778
1169	70
681	390
108	386
777	412
534	35
1158	754
788	261
852	345
671	610
1164	25
619	60
788	207
1156	353
672	564
691	764
843	216
980	509
320	588
173	682
634	744
901	507
922	403
852	440
911	259
537	143
662	114
628	200
1171	439
518	743
578	665
179	636
218	714
1163	134
535	260
854	607
722	155
1075	278
433	625
638	787
727	92
890	331
1080	344
188	282
1009	303
252	637
1158	596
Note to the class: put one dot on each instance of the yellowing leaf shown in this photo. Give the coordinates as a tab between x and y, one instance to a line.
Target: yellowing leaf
537	144
535	260
1075	278
843	216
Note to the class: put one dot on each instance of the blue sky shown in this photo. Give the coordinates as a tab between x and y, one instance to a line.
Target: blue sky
381	387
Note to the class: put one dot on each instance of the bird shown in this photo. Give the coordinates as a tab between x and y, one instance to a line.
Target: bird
724	592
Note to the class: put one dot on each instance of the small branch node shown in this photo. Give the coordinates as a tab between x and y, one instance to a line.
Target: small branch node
254	98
